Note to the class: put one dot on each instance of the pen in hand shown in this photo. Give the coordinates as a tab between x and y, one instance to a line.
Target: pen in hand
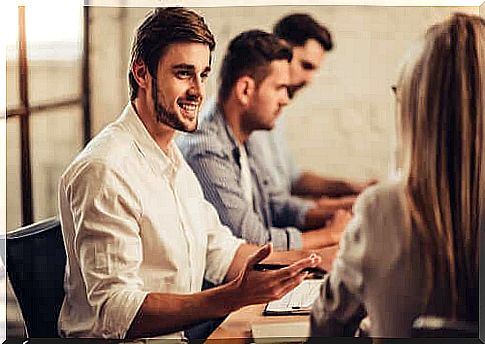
262	267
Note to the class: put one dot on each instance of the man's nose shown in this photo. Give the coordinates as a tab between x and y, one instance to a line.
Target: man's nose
285	98
197	88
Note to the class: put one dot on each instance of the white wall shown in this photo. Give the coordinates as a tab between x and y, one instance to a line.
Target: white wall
341	125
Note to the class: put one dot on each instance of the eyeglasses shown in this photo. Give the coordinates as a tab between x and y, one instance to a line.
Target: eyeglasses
394	89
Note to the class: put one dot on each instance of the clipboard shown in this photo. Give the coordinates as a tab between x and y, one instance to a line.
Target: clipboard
271	310
283	305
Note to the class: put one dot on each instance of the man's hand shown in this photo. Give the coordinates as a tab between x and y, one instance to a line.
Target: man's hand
357	188
328	235
337	224
340	188
327	255
312	185
332	204
252	287
325	209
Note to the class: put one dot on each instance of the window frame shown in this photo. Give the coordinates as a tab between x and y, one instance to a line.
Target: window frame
25	110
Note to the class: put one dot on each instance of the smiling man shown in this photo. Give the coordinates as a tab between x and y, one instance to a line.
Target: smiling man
253	89
139	235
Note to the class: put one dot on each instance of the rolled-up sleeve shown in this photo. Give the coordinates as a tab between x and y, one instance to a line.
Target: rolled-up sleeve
339	309
220	184
221	247
107	244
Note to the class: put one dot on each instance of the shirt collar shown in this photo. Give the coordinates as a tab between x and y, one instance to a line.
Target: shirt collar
165	163
236	146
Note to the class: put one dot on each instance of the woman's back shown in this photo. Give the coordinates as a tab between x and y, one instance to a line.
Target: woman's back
412	246
379	267
393	265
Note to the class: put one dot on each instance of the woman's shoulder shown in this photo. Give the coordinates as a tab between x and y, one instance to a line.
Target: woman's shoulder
384	195
381	212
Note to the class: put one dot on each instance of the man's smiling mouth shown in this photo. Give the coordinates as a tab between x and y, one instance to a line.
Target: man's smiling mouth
188	108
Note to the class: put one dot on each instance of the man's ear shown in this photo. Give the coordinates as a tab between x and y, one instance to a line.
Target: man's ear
140	73
244	89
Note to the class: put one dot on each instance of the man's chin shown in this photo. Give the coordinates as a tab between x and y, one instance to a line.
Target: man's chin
269	126
191	130
189	126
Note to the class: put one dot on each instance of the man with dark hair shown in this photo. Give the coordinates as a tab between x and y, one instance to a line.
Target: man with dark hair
139	235
310	41
254	79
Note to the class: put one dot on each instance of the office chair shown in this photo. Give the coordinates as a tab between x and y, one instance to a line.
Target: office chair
431	326
36	260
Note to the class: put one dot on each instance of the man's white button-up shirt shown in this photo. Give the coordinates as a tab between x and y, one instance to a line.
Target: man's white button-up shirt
134	221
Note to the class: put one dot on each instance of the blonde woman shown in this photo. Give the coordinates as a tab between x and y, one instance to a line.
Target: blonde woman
412	247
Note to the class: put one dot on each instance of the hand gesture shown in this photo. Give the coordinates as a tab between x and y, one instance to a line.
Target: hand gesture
327	255
328	235
254	287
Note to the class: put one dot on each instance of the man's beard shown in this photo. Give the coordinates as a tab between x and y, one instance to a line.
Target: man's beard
169	118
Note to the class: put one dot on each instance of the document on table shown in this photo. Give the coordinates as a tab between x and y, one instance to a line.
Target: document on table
297	301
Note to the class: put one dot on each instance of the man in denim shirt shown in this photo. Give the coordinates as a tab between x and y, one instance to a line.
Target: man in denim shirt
254	81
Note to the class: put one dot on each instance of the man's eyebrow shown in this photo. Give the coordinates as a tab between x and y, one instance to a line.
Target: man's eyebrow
187	66
184	66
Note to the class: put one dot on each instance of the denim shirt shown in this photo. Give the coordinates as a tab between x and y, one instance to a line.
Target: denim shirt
212	152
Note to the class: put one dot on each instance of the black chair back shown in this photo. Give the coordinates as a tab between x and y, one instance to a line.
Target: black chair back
431	326
36	260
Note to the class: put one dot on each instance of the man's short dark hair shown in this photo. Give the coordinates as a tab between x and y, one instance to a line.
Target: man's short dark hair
296	29
250	53
162	27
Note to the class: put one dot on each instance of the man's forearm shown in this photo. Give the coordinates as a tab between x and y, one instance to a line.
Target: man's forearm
313	185
317	217
163	313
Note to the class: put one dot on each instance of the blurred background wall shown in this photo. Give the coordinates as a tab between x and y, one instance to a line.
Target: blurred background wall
341	125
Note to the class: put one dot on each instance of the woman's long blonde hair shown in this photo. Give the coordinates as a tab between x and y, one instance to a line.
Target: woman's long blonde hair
441	117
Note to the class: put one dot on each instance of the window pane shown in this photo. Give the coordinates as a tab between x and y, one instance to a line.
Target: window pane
51	81
14	193
12	83
11	45
54	46
56	137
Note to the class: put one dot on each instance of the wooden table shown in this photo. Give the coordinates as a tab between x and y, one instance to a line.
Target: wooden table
236	328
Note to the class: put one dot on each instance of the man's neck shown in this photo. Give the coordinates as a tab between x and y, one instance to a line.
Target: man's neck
160	133
233	116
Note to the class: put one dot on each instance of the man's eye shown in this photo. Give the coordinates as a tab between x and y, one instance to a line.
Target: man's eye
183	74
307	66
204	76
